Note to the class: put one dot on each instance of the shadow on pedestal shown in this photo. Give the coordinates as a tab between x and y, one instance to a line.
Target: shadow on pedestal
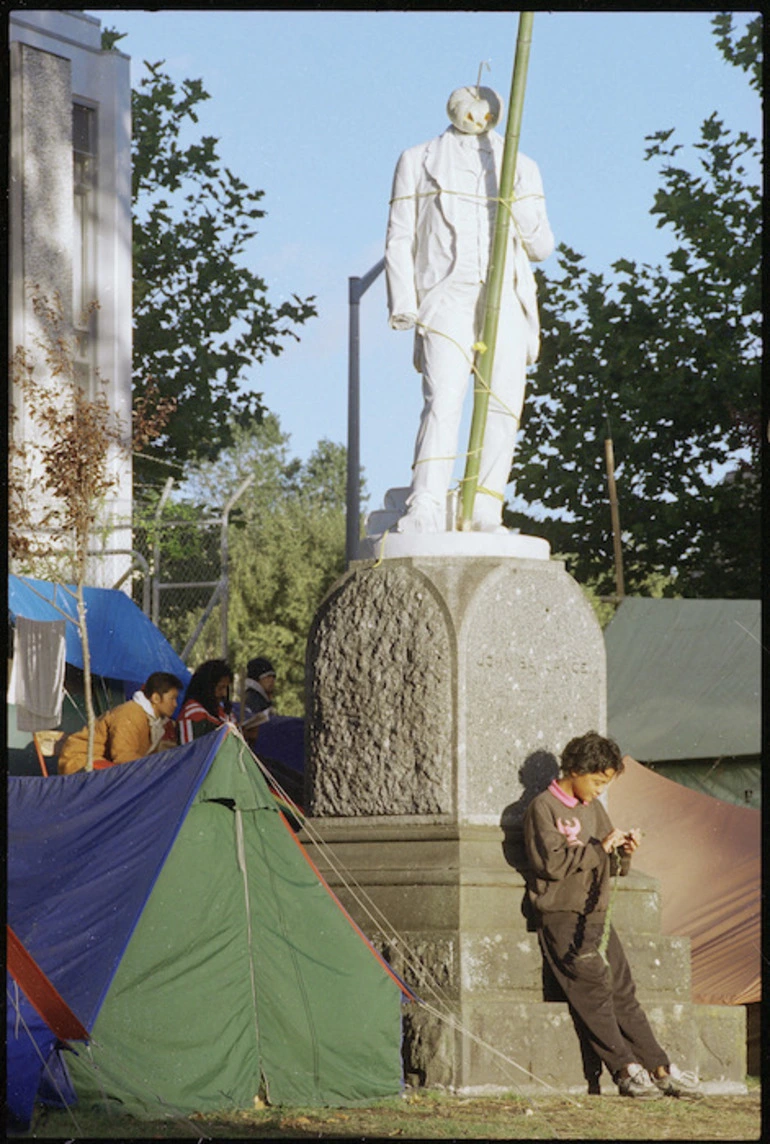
535	775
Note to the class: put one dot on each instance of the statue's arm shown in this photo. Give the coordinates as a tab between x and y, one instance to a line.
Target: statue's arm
400	245
529	213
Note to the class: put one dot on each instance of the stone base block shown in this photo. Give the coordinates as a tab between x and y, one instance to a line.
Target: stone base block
491	1043
445	908
721	1045
460	908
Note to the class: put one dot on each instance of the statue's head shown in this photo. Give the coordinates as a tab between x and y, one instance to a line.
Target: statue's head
474	110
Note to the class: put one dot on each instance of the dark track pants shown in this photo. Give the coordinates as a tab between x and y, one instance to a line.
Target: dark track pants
601	996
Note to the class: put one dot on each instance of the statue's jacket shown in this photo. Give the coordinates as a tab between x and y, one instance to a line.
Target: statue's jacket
422	234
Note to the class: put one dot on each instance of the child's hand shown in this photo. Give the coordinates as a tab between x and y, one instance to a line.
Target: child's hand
613	840
631	841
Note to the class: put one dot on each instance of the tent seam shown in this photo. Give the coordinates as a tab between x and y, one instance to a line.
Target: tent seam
241	852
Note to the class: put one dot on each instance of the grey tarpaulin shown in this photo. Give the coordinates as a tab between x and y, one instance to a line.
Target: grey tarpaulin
683	678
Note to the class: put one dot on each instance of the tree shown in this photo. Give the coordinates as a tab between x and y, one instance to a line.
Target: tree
287	546
665	360
73	456
202	320
70	457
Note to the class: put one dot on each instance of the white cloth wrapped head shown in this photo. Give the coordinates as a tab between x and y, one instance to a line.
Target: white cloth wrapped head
474	110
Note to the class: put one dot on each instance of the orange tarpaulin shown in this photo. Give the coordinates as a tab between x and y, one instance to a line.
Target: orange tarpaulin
706	854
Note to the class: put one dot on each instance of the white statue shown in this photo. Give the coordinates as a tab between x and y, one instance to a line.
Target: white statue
440	232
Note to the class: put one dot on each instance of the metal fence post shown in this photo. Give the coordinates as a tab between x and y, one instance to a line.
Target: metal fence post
225	558
156	551
357	287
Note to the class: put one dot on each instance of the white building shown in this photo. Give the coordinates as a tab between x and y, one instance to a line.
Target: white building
70	221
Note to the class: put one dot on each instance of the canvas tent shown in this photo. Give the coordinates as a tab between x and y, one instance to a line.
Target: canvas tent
706	854
683	691
182	923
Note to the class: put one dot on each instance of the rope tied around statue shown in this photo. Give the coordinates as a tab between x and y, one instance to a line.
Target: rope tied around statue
479	348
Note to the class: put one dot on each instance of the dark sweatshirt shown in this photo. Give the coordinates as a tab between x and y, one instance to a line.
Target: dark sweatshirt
569	870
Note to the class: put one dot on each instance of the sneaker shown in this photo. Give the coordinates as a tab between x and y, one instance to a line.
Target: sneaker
637	1083
683	1085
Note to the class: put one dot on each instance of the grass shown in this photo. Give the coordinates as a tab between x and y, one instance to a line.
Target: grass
431	1115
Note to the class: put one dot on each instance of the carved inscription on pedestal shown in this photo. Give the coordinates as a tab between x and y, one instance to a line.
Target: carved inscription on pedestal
534	677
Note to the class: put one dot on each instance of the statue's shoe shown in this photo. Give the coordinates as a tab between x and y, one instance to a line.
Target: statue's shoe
423	515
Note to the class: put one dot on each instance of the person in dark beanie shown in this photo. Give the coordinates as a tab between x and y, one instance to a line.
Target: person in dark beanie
260	685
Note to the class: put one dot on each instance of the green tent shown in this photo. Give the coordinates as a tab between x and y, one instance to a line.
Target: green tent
241	977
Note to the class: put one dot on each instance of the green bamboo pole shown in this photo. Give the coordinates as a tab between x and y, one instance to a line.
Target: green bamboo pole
484	360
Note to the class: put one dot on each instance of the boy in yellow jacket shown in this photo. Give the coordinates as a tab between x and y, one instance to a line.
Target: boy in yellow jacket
128	732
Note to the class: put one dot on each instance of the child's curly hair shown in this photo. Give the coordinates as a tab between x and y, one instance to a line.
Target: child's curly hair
590	753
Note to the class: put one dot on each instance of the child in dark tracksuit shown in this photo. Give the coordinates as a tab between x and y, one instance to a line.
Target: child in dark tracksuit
573	852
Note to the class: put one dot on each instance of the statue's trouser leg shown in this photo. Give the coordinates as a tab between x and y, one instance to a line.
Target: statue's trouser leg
508	382
447	355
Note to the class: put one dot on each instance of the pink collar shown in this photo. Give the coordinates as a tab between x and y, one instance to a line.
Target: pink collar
557	792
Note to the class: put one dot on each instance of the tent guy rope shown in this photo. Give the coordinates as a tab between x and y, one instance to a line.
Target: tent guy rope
412	962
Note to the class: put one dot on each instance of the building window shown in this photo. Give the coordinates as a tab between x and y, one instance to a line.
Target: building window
84	152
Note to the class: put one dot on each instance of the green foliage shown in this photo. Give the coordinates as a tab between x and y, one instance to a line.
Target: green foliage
286	544
745	52
282	570
110	37
666	361
202	319
655	587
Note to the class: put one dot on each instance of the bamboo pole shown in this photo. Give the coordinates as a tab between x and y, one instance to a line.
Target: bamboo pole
484	359
609	455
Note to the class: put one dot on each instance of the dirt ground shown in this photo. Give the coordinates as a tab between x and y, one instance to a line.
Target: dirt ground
431	1116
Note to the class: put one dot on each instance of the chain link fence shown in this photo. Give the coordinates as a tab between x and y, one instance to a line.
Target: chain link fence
187	557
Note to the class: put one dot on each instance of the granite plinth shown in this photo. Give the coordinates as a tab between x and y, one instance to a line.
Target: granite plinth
448	686
445	906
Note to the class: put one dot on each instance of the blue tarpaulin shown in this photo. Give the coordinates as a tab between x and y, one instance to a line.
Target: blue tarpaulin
124	644
72	911
283	738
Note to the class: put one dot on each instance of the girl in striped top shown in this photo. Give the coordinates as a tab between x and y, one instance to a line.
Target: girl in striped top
207	702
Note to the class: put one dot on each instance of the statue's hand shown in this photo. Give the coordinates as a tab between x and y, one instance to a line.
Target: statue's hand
403	321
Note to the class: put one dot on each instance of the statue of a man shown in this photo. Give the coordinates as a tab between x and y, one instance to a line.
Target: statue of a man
438	246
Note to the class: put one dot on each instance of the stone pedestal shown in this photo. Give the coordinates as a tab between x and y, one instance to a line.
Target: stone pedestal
441	693
448	686
444	903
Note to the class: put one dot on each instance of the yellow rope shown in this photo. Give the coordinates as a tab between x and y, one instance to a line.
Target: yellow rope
479	383
507	203
467	195
479	347
488	492
381	557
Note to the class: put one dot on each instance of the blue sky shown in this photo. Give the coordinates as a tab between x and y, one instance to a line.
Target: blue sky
314	108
